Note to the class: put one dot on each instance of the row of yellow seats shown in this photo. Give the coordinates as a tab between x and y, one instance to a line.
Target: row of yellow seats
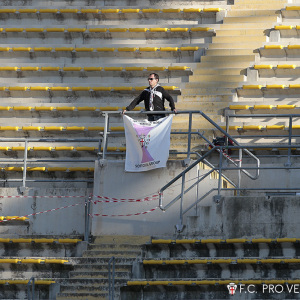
262	106
48	169
64	108
221	261
58	128
40	240
225	241
60	148
280	47
292	8
32	261
103	30
101	49
270	86
96	69
286	27
108	11
260	127
25	281
13	218
212	282
285	66
78	88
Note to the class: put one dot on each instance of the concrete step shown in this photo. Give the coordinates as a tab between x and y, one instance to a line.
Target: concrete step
213	78
110	253
98	274
228	52
212	92
81	296
224	64
230	59
219	71
256	19
239	39
240	32
114	247
83	267
212	84
237	45
87	284
123	239
238	26
225	96
252	12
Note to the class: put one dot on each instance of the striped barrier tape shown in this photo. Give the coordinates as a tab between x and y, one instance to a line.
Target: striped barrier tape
127	215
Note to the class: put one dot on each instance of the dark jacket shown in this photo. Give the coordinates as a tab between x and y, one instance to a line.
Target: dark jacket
158	100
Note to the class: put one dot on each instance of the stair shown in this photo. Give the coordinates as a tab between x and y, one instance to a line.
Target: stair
89	279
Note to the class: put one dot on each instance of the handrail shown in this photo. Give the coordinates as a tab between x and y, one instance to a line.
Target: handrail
111	279
31	296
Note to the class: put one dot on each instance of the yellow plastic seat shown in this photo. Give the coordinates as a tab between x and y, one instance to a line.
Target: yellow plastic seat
14	29
273	47
48	11
292	8
59	88
87	108
192	10
2	148
113	68
22	108
212	9
21	49
86	148
29	68
10	261
9	128
16	218
252	87
68	11
122	88
42	49
261	67
55	261
5	108
34	29
294	86
76	29
18	148
263	106
31	128
157	29
90	11
238	106
80	88
44	108
39	88
7	10
43	240
39	169
168	49
41	148
117	128
178	29
283	27
84	49
15	169
275	86
286	66
189	48
293	46
117	29
18	88
75	128
170	88
134	68
127	49
252	127
286	106
275	127
197	29
31	261
105	49
8	68
156	68
110	11
95	128
60	49
78	169
97	29
150	10
54	128
64	148
148	49
138	29
5	49
55	29
69	241
130	10
89	69
101	88
56	169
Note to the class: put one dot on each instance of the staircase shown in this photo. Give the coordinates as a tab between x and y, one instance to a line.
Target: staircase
89	279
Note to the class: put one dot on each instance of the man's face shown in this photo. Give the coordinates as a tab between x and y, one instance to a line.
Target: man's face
152	81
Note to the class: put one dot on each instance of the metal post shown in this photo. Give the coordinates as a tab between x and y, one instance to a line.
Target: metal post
106	124
31	280
87	208
240	171
111	279
179	226
289	163
25	164
189	135
220	172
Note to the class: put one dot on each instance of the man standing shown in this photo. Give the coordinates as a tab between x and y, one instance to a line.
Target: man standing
154	97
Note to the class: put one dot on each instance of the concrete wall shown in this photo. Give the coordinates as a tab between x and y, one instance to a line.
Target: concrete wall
112	181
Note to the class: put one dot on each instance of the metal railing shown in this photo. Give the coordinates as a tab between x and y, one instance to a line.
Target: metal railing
30	295
111	278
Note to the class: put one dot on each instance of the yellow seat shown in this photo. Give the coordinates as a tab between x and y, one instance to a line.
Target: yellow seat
275	127
69	241
101	88
18	148
76	29
84	49
117	29
14	29
283	27
59	88
55	261
75	128
31	128
56	169
197	29
7	10
122	88
273	47
263	106
294	86
41	148
8	68
286	106
29	68
2	148
171	10
292	8
156	68
9	128
170	88
5	108
113	68
179	29
29	108
105	49
252	127
89	11
86	148
44	108
80	88
275	86
130	10
34	29
252	87
117	128
97	29
68	11
134	68
293	46
286	66
10	261
259	67
39	88
127	49
48	10
64	148
64	49
92	69
71	68
32	169
5	49
110	11
55	29
43	240
192	10
138	29
150	10
18	88
31	261
54	128
50	68
189	48
148	49
158	29
212	9
168	49
21	49
15	169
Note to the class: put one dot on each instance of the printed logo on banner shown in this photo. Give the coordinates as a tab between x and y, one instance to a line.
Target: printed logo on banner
231	288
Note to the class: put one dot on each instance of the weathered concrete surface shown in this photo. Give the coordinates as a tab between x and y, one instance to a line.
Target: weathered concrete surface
256	216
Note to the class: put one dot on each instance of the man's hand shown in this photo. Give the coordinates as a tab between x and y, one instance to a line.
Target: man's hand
124	111
175	111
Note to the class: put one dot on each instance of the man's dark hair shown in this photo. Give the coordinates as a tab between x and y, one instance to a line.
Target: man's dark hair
155	76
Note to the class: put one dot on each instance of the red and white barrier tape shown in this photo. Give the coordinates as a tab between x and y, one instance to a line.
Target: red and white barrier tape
127	215
61	197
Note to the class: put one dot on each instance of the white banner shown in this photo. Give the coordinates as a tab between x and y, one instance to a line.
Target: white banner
147	143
